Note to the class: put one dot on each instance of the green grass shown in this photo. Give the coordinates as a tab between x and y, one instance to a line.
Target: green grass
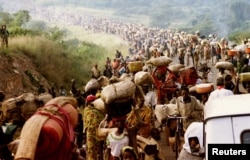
59	64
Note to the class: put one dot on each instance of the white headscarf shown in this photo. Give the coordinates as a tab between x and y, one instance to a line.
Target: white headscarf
195	129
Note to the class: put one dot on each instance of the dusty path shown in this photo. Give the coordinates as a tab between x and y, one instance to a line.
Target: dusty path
168	153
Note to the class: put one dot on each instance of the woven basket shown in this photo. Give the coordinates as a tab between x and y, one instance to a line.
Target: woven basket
245	77
204	88
135	66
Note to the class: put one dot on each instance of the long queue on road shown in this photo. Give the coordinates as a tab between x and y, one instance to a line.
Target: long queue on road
166	74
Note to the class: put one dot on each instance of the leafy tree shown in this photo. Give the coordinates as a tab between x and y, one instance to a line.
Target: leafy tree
18	31
20	18
238	36
36	25
55	34
240	11
5	18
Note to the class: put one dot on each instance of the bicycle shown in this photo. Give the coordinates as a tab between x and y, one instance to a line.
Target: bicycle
178	132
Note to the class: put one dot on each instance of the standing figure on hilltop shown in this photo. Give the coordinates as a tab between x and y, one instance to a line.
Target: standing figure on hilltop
118	54
95	71
108	61
4	36
108	71
115	65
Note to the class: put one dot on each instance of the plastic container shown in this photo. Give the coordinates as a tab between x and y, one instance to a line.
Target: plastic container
231	52
247	50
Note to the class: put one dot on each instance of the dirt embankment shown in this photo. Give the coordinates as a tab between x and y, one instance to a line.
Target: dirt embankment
18	74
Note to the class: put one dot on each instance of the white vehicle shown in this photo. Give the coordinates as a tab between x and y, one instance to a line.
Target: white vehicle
226	121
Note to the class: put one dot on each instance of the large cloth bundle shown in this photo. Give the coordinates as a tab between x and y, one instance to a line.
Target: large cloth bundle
44	97
160	61
118	90
99	104
28	143
92	84
163	110
204	88
244	77
126	76
11	103
143	78
135	66
176	67
25	103
225	65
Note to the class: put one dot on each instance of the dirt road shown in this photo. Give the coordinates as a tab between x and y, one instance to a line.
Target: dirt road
167	151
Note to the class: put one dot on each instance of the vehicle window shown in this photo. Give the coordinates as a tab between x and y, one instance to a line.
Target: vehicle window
245	137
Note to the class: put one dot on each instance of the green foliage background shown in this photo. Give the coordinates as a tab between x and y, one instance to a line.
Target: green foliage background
62	55
58	57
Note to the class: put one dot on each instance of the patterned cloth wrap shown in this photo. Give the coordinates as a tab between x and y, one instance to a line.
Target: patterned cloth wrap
91	120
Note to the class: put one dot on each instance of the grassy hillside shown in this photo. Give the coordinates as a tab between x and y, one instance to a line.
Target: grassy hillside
59	63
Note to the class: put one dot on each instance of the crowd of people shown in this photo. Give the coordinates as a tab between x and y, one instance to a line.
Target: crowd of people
67	126
128	140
